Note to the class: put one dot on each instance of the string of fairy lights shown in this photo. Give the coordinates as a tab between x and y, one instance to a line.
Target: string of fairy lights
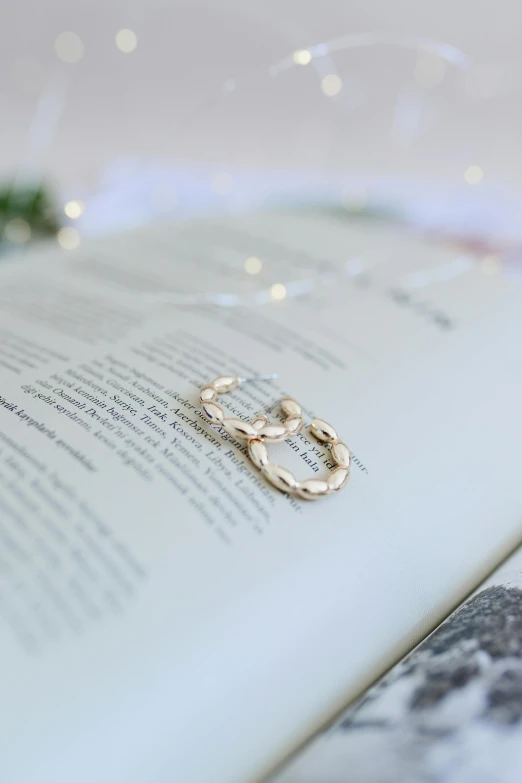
430	68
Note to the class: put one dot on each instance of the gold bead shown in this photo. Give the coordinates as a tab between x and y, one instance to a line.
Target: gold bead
207	394
312	489
273	433
213	412
290	407
294	425
281	478
239	429
341	454
225	383
260	421
338	478
258	453
323	431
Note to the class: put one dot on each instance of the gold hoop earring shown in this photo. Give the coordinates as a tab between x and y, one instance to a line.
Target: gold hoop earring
260	428
312	488
292	424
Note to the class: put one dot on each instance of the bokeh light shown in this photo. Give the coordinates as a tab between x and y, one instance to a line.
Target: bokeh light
253	265
473	175
302	57
68	238
126	40
69	47
331	84
74	209
278	292
17	231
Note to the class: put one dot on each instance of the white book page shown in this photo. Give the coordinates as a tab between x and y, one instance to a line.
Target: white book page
164	613
451	710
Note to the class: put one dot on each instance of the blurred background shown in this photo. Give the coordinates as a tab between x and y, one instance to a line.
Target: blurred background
116	113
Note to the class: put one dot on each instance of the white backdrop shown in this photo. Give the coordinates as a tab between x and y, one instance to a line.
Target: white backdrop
75	121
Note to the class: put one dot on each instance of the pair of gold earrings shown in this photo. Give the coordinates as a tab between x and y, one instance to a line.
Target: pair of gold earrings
259	433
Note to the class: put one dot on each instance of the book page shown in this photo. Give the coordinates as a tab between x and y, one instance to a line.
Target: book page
451	710
165	613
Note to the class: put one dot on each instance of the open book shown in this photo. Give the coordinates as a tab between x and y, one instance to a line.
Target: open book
165	614
450	711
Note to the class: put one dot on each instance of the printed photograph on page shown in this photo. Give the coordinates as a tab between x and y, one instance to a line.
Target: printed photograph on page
451	711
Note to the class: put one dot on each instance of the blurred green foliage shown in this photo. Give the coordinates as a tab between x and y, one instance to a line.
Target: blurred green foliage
26	213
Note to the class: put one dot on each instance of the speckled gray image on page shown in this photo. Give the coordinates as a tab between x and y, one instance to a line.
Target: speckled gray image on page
450	712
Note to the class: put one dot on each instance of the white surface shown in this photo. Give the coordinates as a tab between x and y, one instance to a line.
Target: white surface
231	655
126	106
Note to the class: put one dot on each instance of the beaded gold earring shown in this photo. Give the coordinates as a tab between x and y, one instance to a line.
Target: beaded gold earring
259	433
259	428
312	488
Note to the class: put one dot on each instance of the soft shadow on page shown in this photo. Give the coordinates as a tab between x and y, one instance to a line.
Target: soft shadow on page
164	613
452	710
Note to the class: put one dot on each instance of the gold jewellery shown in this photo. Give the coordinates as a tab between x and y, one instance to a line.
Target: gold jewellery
312	488
243	430
259	433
